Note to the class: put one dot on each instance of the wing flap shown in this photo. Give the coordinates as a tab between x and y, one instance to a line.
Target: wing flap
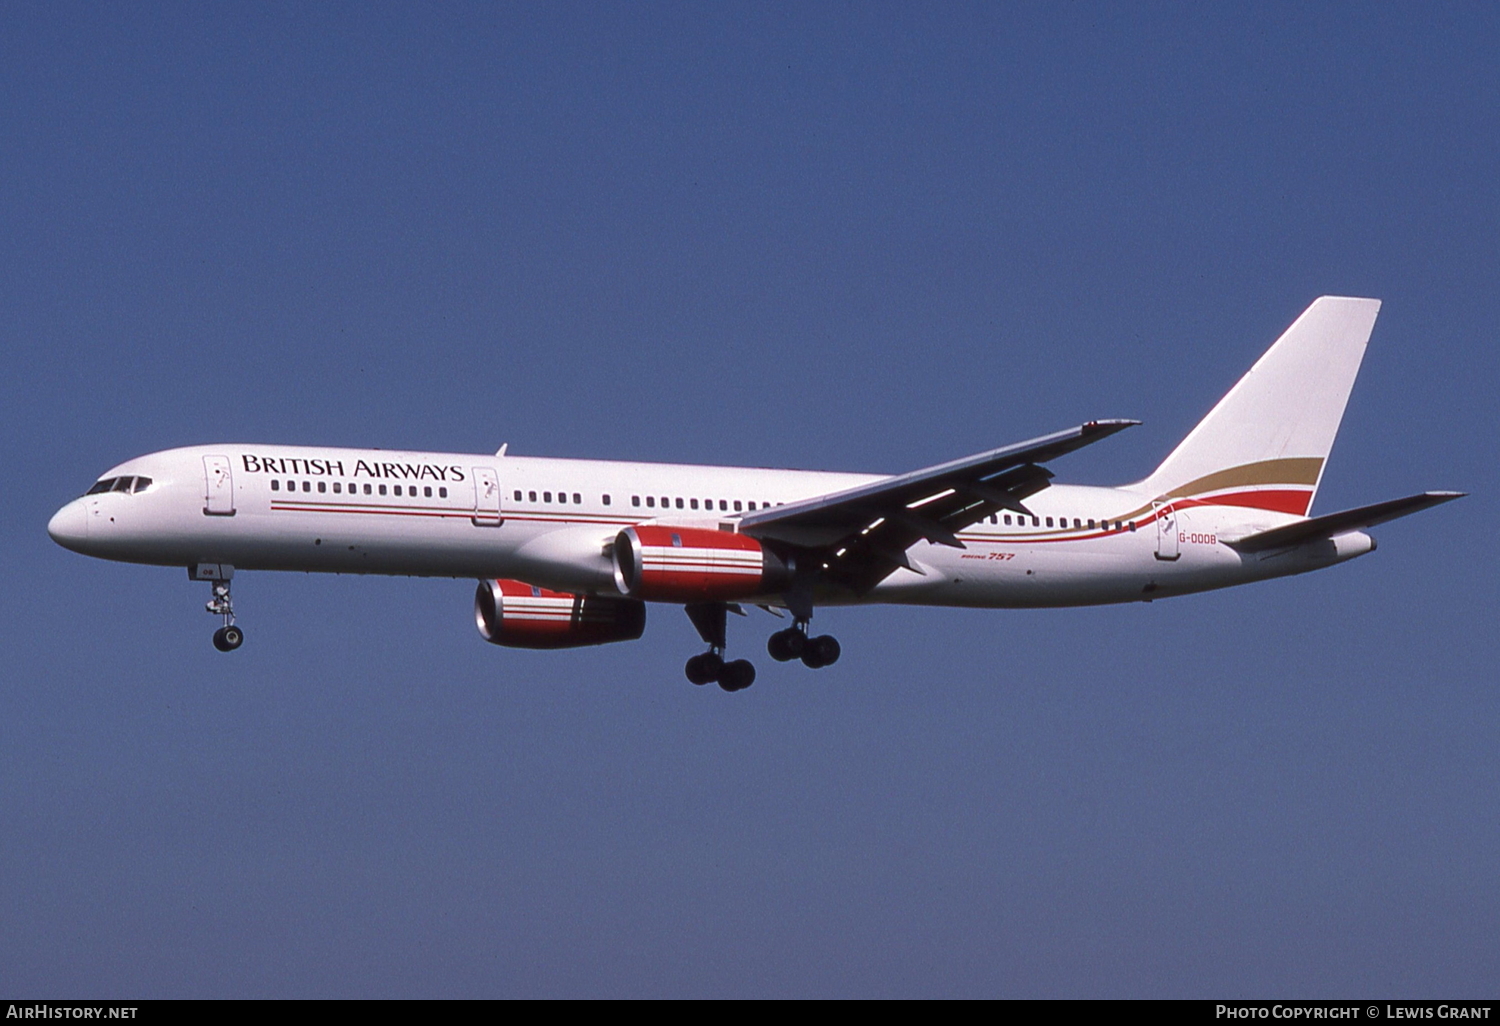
860	531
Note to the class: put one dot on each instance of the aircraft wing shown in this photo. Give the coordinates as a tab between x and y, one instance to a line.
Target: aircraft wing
862	533
1331	524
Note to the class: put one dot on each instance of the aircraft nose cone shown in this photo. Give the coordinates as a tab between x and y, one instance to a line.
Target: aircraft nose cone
69	526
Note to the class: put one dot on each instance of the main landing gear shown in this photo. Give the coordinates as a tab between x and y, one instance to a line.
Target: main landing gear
710	666
793	643
228	637
784	646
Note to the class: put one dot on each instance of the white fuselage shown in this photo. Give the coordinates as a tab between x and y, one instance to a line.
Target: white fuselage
551	523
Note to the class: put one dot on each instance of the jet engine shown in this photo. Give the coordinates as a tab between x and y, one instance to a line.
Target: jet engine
521	615
661	563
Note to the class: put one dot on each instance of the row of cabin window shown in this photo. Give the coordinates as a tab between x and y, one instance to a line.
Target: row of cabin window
562	497
338	488
708	504
120	484
651	501
1078	522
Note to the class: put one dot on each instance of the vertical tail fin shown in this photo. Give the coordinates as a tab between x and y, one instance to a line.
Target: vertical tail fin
1265	444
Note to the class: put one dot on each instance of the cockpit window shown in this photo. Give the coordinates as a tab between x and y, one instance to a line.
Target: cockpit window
120	484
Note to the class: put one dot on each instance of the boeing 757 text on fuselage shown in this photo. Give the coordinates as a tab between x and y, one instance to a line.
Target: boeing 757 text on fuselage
569	552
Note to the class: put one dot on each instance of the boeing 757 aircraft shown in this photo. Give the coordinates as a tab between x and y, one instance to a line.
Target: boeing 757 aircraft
569	552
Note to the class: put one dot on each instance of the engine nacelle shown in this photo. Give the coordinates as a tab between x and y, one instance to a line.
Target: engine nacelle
661	563
520	615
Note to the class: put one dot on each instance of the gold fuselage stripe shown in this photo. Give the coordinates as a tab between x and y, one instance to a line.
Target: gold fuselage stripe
1293	470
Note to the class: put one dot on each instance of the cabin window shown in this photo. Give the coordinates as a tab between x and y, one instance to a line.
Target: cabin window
1049	521
635	500
1132	525
651	501
665	502
562	497
442	493
723	504
382	489
533	496
518	495
546	496
752	504
323	487
693	503
338	488
606	498
1077	523
577	499
275	485
679	503
427	491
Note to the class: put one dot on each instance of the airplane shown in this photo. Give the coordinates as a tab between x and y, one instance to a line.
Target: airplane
569	552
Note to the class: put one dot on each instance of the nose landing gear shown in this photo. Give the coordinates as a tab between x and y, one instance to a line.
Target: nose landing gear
228	637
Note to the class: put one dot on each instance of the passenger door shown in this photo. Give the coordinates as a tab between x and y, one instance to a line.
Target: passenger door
1166	531
486	498
218	487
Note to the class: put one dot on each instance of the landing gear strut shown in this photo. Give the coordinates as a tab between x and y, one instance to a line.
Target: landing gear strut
793	643
228	637
708	618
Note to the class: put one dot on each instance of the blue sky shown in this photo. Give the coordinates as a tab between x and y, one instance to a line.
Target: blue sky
844	236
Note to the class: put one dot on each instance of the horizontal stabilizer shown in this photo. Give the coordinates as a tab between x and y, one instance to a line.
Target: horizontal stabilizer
1337	523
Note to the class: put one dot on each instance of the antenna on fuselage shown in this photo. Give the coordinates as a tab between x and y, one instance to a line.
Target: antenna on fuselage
501	451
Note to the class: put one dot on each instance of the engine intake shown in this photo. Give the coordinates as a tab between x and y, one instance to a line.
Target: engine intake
661	563
519	615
